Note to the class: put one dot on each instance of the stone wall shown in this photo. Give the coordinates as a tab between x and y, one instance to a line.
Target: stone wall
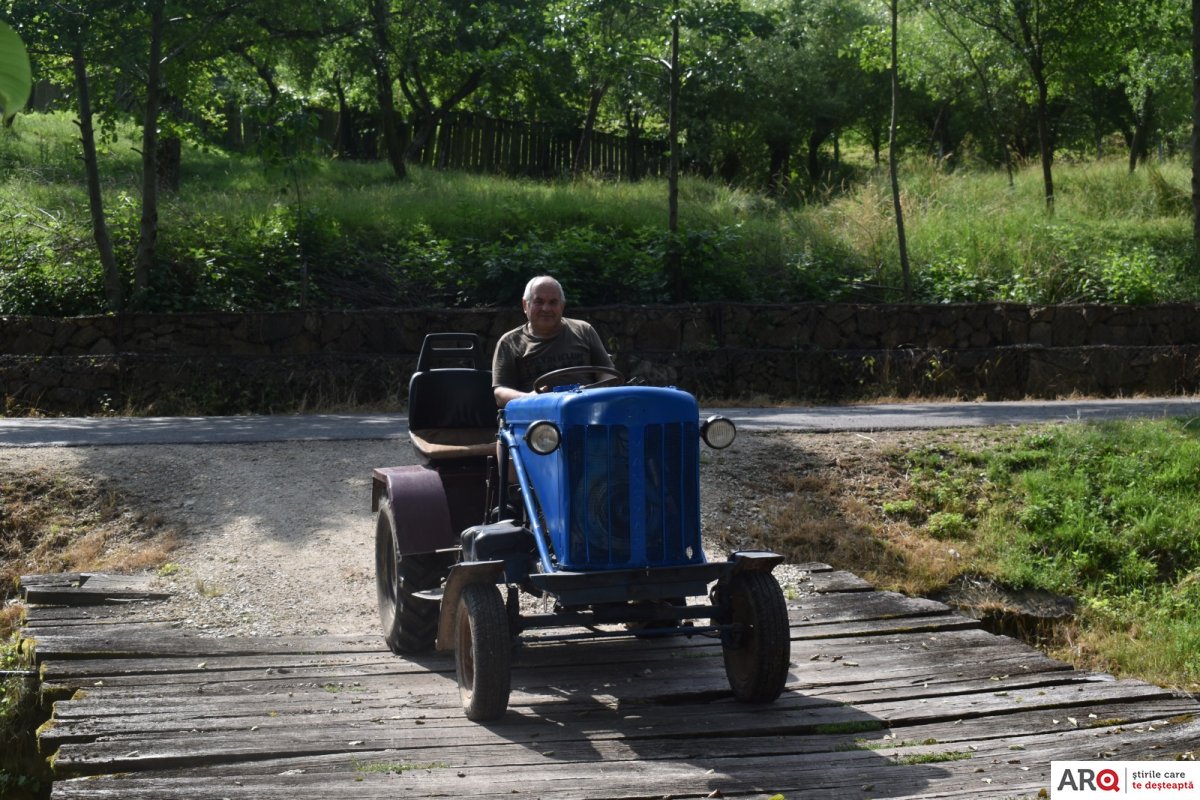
235	363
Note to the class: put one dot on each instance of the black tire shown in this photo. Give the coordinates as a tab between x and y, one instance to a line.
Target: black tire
409	624
483	652
756	661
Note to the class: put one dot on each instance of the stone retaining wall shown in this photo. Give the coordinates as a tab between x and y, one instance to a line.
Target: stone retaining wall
233	363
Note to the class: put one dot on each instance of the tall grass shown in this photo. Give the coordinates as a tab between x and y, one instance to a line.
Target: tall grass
241	233
1105	513
1113	236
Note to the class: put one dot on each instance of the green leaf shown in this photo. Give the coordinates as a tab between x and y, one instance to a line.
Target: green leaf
15	75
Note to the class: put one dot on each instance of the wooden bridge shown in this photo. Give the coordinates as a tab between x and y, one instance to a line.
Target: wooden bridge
888	697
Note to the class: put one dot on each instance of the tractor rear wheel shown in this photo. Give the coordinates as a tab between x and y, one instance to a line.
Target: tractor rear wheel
409	623
483	652
757	654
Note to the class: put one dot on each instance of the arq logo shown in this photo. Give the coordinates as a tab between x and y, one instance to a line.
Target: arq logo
1085	779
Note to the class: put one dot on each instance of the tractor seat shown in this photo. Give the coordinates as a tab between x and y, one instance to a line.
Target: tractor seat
451	410
438	444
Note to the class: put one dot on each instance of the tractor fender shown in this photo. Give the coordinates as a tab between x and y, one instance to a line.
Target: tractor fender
462	575
754	561
420	509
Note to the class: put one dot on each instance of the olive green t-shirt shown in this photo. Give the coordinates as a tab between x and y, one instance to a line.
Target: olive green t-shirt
521	357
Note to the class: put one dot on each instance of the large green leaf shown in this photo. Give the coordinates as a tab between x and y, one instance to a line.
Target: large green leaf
15	76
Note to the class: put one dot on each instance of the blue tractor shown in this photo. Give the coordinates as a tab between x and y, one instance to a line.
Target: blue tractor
587	493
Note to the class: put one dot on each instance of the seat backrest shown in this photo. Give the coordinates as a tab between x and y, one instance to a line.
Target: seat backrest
441	350
451	396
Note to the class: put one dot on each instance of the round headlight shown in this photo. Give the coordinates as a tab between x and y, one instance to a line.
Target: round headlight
543	438
718	432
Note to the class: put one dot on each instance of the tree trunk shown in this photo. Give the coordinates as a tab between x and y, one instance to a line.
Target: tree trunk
113	290
674	258
380	12
170	163
815	139
1196	135
1139	145
1037	66
1045	143
633	144
779	151
431	118
901	240
589	124
148	229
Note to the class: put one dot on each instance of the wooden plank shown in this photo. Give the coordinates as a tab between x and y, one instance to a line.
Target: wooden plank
841	607
436	703
972	732
437	713
85	588
991	769
141	643
835	581
875	677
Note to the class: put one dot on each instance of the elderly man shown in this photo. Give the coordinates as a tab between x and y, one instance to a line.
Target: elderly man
548	341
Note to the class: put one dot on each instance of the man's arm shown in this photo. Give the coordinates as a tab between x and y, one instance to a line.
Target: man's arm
504	374
504	394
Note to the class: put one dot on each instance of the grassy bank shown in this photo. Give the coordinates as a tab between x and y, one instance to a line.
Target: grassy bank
1105	514
244	235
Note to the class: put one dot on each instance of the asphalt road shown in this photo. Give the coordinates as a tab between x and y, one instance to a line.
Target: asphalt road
93	431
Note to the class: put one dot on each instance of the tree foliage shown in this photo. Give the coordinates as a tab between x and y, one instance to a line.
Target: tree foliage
771	93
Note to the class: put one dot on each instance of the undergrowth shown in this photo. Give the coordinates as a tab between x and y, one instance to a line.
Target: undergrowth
242	235
1104	513
1107	514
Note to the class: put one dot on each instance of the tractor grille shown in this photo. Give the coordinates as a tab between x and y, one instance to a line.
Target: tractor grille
634	495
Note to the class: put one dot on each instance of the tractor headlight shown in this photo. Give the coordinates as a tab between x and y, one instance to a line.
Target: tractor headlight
543	437
718	432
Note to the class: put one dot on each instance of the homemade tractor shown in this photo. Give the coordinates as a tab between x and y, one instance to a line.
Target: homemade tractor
591	498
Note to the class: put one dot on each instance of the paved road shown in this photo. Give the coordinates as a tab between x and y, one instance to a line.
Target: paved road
91	431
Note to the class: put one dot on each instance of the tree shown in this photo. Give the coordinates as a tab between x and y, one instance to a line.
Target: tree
1039	32
980	60
805	80
446	51
61	38
603	40
893	156
1196	134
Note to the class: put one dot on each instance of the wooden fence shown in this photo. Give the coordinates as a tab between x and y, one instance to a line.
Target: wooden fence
475	142
484	144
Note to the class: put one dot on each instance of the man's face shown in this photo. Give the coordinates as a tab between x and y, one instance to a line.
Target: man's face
544	309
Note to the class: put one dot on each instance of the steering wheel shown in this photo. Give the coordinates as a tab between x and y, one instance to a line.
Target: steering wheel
546	382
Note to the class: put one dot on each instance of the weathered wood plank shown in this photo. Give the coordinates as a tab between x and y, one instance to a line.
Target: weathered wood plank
554	744
116	614
842	607
604	717
836	581
875	677
123	643
991	769
85	588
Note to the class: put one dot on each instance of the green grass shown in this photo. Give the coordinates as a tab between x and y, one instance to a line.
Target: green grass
1114	236
1107	513
238	233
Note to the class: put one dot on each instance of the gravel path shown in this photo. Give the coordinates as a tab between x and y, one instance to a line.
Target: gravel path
278	538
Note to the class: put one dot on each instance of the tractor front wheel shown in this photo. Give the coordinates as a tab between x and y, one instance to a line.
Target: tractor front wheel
757	652
483	652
